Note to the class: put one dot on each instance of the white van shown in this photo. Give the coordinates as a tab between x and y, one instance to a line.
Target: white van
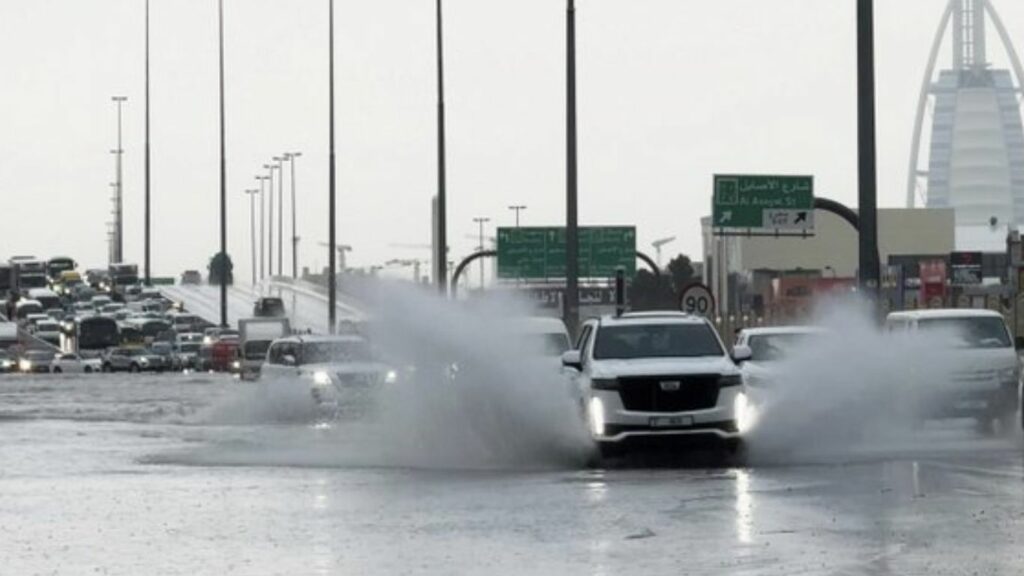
985	381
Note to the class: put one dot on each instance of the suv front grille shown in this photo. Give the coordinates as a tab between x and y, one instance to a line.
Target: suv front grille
646	394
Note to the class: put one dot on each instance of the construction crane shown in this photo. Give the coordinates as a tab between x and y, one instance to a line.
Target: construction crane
657	247
341	248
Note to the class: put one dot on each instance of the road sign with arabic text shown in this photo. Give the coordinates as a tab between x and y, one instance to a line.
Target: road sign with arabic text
755	203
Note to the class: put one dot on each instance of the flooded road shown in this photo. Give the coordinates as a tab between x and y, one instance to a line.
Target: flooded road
166	475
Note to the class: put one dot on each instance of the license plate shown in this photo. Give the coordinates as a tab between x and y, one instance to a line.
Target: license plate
671	421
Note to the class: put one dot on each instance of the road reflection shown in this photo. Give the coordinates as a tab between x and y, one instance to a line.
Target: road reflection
744	507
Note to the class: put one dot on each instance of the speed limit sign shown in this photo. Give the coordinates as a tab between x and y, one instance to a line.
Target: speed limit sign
697	299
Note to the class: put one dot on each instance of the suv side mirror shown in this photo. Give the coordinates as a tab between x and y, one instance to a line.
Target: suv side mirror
741	354
572	359
288	360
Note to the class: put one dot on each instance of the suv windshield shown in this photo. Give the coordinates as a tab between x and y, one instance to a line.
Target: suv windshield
656	341
976	332
347	351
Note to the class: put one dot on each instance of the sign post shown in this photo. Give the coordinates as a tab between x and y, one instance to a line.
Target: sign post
539	253
754	205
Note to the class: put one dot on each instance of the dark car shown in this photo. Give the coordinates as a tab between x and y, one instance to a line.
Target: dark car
191	277
133	360
268	307
165	350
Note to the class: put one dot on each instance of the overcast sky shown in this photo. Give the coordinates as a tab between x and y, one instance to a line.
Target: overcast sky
670	92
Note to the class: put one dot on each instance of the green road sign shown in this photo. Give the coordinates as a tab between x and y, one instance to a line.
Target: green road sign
763	203
539	252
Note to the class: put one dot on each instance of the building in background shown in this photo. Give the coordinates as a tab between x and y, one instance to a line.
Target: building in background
975	161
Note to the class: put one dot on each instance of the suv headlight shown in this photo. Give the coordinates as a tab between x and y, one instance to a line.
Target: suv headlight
25	365
604	384
321	379
390	377
730	380
1008	377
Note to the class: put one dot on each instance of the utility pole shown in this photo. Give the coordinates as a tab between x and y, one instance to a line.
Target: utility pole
270	220
119	185
517	209
280	213
441	255
332	279
263	220
570	303
867	155
291	156
223	179
481	221
148	278
252	193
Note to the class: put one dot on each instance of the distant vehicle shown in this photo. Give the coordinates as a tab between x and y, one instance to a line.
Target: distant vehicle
6	278
268	307
27	282
75	364
338	374
220	356
82	293
8	363
83	308
188	355
122	275
190	277
185	322
48	298
544	336
35	361
8	335
256	335
66	283
215	333
657	377
100	300
26	307
165	350
30	266
190	337
765	347
31	320
47	331
145	306
151	328
130	335
132	360
94	334
986	382
58	265
98	279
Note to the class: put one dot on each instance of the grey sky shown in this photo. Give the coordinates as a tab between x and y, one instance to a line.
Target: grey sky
671	91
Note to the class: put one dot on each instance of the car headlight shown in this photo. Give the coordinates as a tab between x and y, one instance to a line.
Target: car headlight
595	414
744	413
25	365
391	377
321	378
1008	376
143	360
236	364
6	364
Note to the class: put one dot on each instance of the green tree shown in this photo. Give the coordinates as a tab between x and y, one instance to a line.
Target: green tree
650	292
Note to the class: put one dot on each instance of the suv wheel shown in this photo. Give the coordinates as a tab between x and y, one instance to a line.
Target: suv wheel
107	368
134	368
57	370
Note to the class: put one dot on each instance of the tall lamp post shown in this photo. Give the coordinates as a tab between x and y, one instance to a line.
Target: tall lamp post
252	193
270	220
147	178
263	220
867	154
332	286
291	157
441	249
517	209
119	195
223	178
572	294
481	221
280	212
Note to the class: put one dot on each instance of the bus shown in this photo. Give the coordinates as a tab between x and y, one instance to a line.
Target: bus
58	265
124	274
94	334
6	278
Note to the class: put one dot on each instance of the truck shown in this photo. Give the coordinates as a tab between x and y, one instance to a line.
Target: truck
256	335
8	335
123	275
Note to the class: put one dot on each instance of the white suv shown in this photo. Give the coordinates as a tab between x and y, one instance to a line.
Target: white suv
655	377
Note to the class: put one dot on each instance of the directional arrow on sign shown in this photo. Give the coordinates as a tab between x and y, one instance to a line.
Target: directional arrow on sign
800	217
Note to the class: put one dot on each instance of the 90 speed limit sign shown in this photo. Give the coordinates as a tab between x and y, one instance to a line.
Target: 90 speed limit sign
697	299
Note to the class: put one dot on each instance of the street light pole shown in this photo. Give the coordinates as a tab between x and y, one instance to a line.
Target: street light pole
572	295
252	193
867	153
147	245
270	220
332	287
280	213
291	156
223	179
441	255
517	209
119	198
481	221
263	221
